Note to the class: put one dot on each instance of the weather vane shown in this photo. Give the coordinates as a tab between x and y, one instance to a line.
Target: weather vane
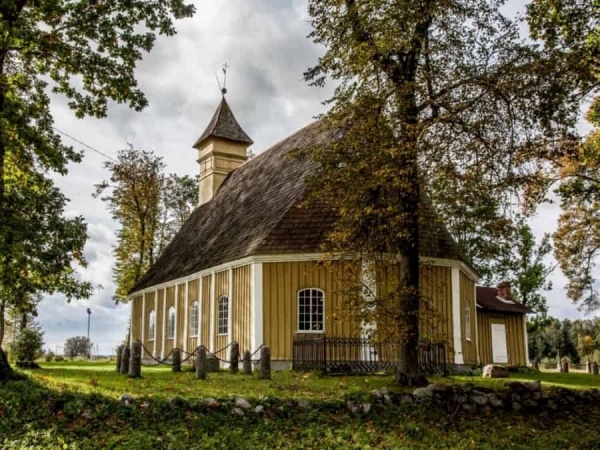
224	87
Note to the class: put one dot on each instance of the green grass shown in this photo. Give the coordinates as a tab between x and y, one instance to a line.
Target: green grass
74	405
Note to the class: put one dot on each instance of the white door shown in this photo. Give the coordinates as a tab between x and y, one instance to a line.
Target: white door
499	347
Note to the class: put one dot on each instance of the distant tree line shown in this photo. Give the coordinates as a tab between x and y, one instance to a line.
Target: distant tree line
553	339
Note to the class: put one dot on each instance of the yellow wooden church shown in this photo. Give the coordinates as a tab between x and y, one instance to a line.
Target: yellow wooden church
247	266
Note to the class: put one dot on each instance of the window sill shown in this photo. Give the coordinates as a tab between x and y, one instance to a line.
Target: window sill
223	334
310	332
191	336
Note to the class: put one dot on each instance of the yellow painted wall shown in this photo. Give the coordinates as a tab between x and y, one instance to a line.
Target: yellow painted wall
136	315
435	319
467	299
193	296
159	321
206	311
149	344
241	314
514	336
180	305
281	283
170	302
221	288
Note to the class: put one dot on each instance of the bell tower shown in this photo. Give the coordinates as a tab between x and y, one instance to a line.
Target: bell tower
222	148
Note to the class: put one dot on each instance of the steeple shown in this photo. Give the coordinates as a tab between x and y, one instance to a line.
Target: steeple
222	148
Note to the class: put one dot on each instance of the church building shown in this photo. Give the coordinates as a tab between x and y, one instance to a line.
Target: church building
247	265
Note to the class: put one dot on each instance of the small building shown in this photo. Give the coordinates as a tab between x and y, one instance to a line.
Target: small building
248	266
501	327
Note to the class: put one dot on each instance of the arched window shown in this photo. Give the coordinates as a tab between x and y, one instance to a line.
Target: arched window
152	326
467	321
223	315
171	330
311	310
194	319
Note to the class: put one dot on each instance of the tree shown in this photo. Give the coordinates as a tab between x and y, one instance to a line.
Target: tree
77	346
178	198
578	235
525	268
27	348
150	208
423	86
569	30
87	51
134	201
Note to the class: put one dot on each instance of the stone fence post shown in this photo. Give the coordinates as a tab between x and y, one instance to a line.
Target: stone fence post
247	363
595	368
536	365
176	367
234	357
588	366
135	364
125	360
565	366
201	368
265	363
119	356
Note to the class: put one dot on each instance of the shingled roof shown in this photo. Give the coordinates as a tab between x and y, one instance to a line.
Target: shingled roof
256	211
224	125
488	299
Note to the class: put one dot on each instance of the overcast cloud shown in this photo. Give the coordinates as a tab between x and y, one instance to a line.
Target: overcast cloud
265	44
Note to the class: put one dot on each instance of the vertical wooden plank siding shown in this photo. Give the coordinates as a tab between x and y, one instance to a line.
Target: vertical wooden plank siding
136	319
281	283
180	315
436	307
159	322
240	303
515	339
467	298
206	311
221	288
435	318
170	302
149	343
193	296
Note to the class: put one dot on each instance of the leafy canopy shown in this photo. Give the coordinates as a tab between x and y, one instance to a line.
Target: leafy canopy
436	100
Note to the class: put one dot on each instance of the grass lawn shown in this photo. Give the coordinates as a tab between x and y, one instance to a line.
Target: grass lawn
74	406
100	378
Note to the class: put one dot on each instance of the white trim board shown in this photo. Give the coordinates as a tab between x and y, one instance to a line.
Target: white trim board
456	316
293	257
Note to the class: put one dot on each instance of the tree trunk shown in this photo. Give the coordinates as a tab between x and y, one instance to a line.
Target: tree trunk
6	371
409	372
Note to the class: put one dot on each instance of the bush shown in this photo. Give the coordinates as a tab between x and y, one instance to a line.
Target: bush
58	358
475	371
27	347
522	369
49	356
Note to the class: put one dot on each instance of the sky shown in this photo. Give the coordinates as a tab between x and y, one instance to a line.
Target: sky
266	46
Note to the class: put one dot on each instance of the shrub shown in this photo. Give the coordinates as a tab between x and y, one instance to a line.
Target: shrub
58	358
49	356
27	347
475	371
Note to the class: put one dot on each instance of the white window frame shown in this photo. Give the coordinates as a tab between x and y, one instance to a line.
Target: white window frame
171	330
151	326
223	316
467	316
322	292
194	317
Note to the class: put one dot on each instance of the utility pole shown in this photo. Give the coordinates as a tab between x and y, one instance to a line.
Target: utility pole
89	312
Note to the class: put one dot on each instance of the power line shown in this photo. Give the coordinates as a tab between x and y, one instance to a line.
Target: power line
85	145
